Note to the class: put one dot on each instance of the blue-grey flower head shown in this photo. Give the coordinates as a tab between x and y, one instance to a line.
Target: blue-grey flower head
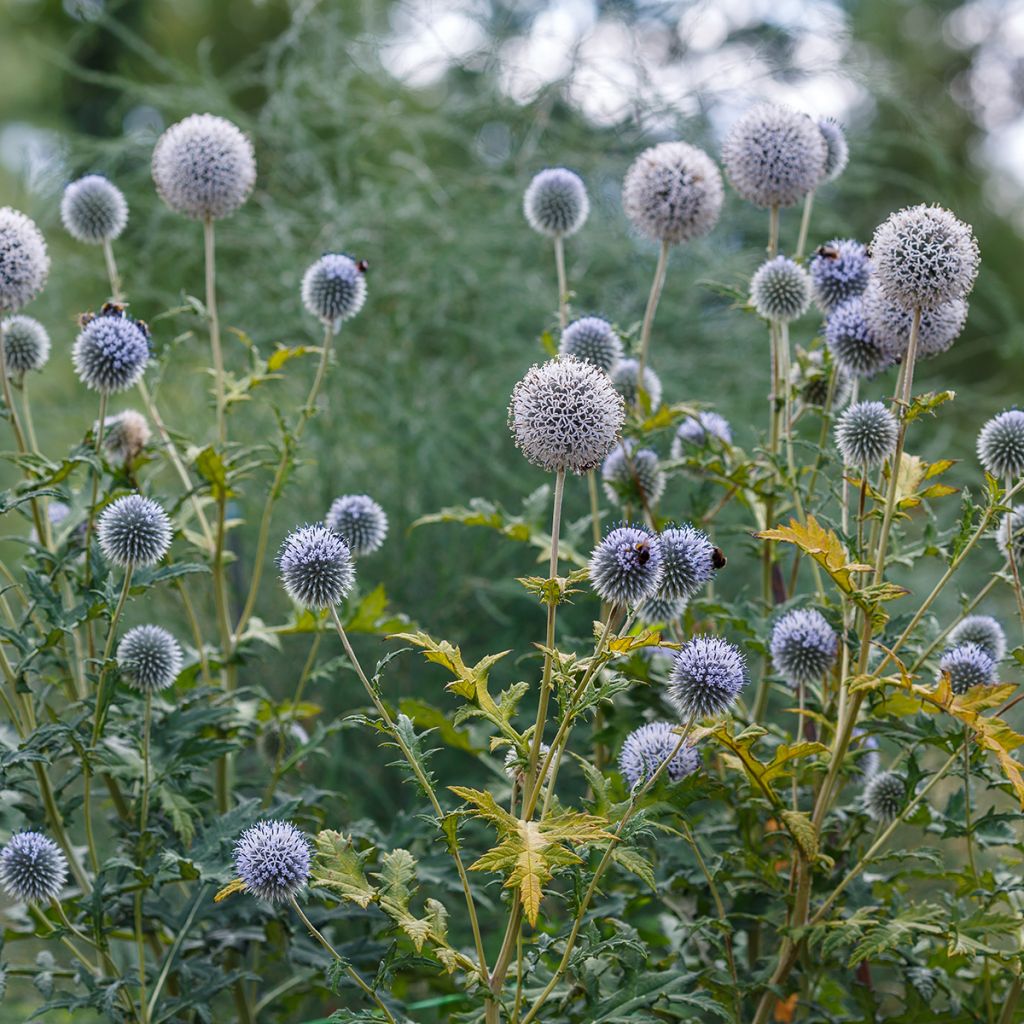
866	434
924	256
556	203
780	290
624	378
803	646
93	210
982	630
1010	534
360	520
316	567
673	193
334	287
632	476
707	677
32	868
968	665
869	759
626	567
690	560
26	344
272	858
940	326
593	340
697	431
111	351
565	415
853	344
149	658
647	748
840	270
134	532
661	609
837	152
774	156
204	167
884	794
24	262
1001	445
127	434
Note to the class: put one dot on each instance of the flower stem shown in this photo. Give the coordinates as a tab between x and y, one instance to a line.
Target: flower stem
805	224
652	305
563	287
209	247
595	506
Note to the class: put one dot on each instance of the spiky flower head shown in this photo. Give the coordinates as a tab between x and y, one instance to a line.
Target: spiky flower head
593	340
334	287
111	351
940	326
968	665
272	858
924	256
565	415
853	344
924	981
647	748
360	520
707	677
866	434
93	210
127	434
624	374
204	167
774	156
626	567
134	532
515	766
661	608
556	203
673	193
1001	445
26	344
24	262
780	290
803	646
316	566
840	270
32	868
632	476
837	152
699	430
149	658
1010	534
690	560
884	793
982	630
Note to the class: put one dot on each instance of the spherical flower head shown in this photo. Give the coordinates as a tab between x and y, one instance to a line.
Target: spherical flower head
647	748
884	793
360	521
853	344
982	630
204	167
866	434
334	288
1010	535
111	351
24	262
632	476
837	152
661	609
556	203
940	326
840	270
1001	445
774	156
515	766
149	658
690	560
626	567
316	567
32	868
593	340
127	434
272	858
780	290
673	193
968	665
623	376
565	415
134	532
707	677
698	431
803	646
26	344
924	257
93	210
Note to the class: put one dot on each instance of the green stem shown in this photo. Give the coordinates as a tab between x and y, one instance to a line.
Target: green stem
172	952
595	507
805	224
116	295
773	230
209	249
652	305
563	287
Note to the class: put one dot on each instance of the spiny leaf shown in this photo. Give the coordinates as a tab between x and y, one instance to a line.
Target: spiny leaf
337	866
824	546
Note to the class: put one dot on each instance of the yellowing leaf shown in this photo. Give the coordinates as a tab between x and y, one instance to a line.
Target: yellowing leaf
235	885
824	546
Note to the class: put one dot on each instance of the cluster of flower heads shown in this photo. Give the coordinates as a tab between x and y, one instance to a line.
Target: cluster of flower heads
32	868
360	521
650	746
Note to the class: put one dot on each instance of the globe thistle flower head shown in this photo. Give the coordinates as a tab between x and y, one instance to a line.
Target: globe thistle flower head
884	793
626	567
968	665
853	344
334	287
149	658
1010	534
593	340
316	567
127	435
661	608
134	532
515	766
32	868
673	193
1001	445
840	270
26	344
565	415
774	156
647	748
273	858
837	152
707	677
803	646
940	326
690	560
866	434
24	262
93	210
555	202
111	351
360	521
780	290
924	256
698	431
632	476
624	374
983	631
